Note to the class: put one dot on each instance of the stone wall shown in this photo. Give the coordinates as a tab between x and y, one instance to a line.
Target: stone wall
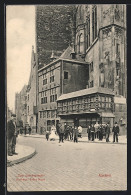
53	30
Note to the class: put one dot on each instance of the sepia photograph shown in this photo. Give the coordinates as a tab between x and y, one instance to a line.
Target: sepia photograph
66	97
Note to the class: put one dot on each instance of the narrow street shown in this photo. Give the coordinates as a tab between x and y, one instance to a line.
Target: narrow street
69	166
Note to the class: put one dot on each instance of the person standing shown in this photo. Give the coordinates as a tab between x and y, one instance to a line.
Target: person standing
89	132
65	127
11	135
53	135
107	131
25	130
71	133
80	131
61	132
75	134
47	135
101	132
29	130
92	132
115	131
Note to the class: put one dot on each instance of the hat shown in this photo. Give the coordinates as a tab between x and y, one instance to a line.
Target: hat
14	115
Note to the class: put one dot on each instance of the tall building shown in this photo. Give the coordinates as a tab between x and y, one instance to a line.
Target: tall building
54	24
101	41
61	76
32	115
88	80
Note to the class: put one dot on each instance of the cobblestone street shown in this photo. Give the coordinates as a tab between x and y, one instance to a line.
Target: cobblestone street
70	166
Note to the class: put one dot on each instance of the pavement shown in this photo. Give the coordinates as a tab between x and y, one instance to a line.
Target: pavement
24	153
122	139
69	166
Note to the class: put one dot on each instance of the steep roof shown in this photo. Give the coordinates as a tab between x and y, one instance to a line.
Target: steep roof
83	92
66	53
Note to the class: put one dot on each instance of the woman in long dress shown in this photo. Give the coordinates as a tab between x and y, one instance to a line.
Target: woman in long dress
53	135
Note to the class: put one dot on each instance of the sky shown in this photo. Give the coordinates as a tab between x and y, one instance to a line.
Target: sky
20	36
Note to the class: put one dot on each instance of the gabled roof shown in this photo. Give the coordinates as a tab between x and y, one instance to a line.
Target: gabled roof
88	91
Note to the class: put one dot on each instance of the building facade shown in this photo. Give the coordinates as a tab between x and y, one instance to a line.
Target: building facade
94	62
86	107
32	116
21	107
63	75
100	39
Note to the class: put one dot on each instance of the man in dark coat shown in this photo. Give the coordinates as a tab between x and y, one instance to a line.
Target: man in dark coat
11	135
89	132
92	132
75	132
61	132
107	131
100	132
29	130
115	131
71	133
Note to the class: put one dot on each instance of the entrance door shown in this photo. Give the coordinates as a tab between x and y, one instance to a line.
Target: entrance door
76	122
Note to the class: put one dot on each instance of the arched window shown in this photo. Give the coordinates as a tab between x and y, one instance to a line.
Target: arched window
94	22
88	31
81	43
78	42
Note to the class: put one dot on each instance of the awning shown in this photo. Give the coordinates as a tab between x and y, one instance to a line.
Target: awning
107	115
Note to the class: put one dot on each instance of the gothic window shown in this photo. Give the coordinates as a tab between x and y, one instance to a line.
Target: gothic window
88	31
81	43
117	13
118	50
94	23
78	44
80	11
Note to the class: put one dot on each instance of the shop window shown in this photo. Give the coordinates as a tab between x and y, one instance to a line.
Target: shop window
65	75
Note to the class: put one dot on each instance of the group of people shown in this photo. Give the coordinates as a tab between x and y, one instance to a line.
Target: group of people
65	132
99	131
25	130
